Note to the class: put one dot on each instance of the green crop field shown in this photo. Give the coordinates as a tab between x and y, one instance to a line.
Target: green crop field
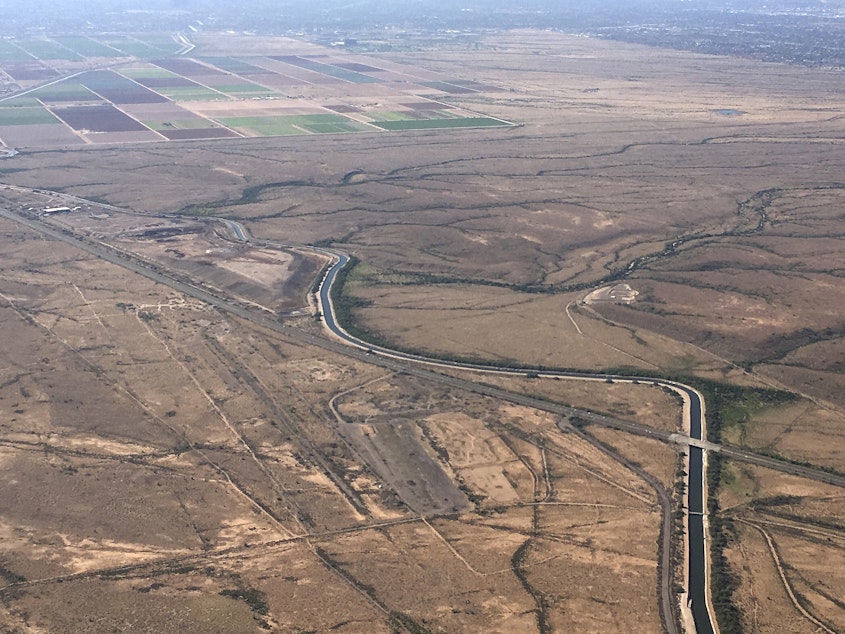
334	128
65	91
48	49
25	116
131	47
295	124
431	124
11	53
264	126
417	115
390	116
164	43
86	46
20	102
310	119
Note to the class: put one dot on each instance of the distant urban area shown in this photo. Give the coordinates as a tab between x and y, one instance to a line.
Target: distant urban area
809	33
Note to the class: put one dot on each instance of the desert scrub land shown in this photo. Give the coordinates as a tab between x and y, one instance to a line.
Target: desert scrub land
180	461
168	466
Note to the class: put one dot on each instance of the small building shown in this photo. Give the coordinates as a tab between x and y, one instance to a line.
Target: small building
56	210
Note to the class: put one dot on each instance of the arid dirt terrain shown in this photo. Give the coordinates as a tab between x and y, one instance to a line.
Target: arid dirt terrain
167	466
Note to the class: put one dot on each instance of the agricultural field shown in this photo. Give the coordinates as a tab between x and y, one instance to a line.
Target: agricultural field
263	95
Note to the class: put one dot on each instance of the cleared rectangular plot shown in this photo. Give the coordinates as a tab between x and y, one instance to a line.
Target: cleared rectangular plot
187	67
430	124
48	49
290	73
41	135
29	72
233	65
168	111
174	81
118	89
125	136
326	69
100	118
147	72
65	91
26	116
86	47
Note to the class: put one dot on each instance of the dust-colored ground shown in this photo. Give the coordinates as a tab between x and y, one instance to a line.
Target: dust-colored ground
169	468
642	401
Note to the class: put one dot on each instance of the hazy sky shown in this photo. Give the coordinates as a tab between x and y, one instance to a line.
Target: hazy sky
68	16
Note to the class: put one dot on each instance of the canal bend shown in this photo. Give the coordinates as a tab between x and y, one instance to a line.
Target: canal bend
697	560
